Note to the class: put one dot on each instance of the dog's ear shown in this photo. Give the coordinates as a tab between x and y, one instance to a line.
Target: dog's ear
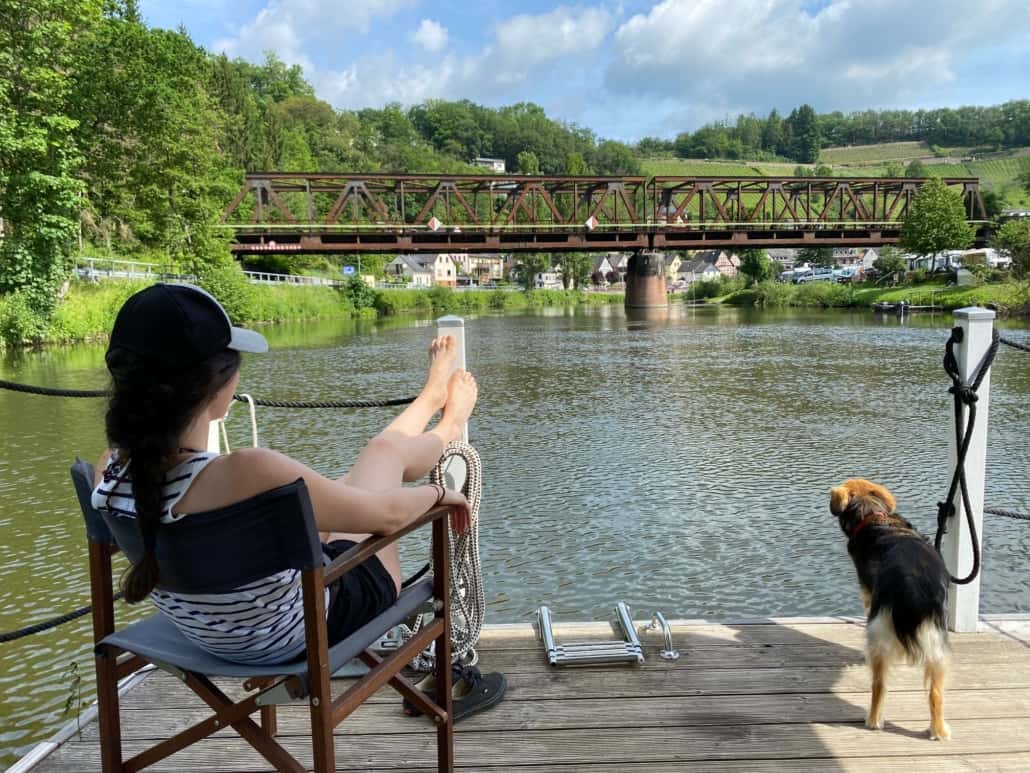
881	493
839	498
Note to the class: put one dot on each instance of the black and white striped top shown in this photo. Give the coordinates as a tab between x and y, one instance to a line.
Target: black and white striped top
259	623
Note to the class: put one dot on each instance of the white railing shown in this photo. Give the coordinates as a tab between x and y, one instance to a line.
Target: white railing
96	269
265	277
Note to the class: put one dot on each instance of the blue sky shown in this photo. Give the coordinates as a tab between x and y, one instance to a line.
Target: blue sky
633	68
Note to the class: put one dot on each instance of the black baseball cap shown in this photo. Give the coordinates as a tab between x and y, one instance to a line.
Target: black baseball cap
178	326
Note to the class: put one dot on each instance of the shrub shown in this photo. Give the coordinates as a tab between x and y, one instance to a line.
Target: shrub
360	295
19	322
774	294
229	285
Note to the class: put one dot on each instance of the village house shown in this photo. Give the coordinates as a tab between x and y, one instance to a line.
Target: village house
787	258
440	268
547	280
493	164
854	256
696	270
726	263
673	261
411	269
482	269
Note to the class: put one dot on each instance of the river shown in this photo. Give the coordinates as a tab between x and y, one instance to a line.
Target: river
679	464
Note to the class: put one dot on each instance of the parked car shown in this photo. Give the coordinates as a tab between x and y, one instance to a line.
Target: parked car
817	275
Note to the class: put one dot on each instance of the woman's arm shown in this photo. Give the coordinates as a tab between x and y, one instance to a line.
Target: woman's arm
337	506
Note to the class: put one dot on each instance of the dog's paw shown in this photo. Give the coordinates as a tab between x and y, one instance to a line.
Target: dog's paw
943	735
874	723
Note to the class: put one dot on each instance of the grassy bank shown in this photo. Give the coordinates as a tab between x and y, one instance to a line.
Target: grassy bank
1009	298
87	310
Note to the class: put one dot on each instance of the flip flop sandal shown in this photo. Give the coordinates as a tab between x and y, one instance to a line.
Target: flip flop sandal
472	691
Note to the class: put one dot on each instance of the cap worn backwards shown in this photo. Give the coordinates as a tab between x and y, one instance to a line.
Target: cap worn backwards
178	326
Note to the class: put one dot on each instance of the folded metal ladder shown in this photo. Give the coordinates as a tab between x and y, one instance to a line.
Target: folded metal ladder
588	653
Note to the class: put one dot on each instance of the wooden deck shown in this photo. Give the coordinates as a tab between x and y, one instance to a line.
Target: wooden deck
785	694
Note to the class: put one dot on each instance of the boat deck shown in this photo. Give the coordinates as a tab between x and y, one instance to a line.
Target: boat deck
784	694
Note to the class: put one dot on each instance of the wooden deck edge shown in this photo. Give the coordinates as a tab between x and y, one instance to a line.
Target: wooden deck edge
44	749
1012	625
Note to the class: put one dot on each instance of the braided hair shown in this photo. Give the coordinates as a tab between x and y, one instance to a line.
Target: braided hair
148	411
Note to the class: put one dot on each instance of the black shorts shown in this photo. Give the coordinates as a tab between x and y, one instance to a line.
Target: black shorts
357	597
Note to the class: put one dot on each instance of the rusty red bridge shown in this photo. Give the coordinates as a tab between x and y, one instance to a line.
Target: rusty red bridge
349	212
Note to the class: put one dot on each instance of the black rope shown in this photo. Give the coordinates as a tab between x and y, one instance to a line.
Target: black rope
965	395
1007	513
51	392
53	622
1014	344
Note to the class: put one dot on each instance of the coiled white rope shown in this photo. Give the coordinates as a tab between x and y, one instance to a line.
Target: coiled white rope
468	601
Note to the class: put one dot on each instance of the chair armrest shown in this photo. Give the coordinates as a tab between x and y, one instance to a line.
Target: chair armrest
377	542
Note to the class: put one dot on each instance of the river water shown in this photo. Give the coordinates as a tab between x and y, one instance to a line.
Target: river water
679	464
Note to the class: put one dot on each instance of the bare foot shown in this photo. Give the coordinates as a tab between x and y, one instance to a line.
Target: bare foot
442	353
462	392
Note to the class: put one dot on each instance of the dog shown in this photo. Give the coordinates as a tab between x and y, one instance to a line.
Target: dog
904	586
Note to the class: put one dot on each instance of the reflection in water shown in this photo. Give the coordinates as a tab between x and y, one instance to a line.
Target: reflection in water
678	462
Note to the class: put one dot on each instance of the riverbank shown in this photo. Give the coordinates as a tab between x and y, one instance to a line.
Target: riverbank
87	310
1010	298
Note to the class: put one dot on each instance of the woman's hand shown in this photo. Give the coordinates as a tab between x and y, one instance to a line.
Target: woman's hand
461	516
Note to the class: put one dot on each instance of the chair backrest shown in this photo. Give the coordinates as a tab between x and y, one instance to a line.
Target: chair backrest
219	550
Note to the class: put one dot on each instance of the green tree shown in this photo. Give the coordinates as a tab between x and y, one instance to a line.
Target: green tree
39	157
894	169
816	256
916	168
890	261
1013	238
1024	178
806	136
615	158
755	265
528	163
150	131
935	221
575	268
531	264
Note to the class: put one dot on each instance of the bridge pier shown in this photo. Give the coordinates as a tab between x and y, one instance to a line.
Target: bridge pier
645	281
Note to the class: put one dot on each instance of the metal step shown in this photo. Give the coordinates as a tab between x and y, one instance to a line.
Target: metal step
628	650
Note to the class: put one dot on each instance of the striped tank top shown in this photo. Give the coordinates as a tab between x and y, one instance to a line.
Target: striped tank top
259	623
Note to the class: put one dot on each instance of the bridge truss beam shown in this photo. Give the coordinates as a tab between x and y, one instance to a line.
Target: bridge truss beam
354	212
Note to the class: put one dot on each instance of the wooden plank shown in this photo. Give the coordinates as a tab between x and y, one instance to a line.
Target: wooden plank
632	682
617	747
995	763
387	718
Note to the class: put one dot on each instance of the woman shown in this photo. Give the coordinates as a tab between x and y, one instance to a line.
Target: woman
174	362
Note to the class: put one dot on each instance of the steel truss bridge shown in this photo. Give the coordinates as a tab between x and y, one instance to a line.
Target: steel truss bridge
349	212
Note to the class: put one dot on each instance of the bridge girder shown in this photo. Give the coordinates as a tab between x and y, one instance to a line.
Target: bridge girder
354	212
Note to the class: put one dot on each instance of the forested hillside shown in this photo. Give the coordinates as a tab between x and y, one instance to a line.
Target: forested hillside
131	140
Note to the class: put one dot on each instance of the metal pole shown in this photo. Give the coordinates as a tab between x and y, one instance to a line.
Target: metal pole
455	326
964	600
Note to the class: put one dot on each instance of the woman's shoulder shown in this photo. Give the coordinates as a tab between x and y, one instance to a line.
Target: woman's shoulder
236	476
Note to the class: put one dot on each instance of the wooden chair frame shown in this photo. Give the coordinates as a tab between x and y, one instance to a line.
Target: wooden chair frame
113	663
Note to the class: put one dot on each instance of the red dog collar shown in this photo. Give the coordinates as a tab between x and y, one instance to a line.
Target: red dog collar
876	515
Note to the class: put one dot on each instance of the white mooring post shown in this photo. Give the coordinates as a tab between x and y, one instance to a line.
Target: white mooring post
455	326
964	600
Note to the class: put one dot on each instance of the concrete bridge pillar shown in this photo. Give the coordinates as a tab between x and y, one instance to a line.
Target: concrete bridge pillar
645	281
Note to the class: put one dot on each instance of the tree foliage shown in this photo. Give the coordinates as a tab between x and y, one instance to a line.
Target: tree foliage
575	269
755	265
1013	238
935	221
39	154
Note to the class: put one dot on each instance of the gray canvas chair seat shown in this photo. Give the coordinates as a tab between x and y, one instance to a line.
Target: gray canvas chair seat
159	641
217	551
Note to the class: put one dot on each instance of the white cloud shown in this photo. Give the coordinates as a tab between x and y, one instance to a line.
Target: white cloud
289	27
523	45
431	35
760	53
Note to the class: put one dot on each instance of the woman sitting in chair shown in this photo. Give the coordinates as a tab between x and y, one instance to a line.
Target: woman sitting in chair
174	362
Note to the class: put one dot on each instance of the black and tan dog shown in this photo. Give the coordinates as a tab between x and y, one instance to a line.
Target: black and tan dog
904	585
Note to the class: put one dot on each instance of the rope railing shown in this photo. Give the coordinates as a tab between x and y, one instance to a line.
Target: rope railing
53	622
1013	344
54	392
